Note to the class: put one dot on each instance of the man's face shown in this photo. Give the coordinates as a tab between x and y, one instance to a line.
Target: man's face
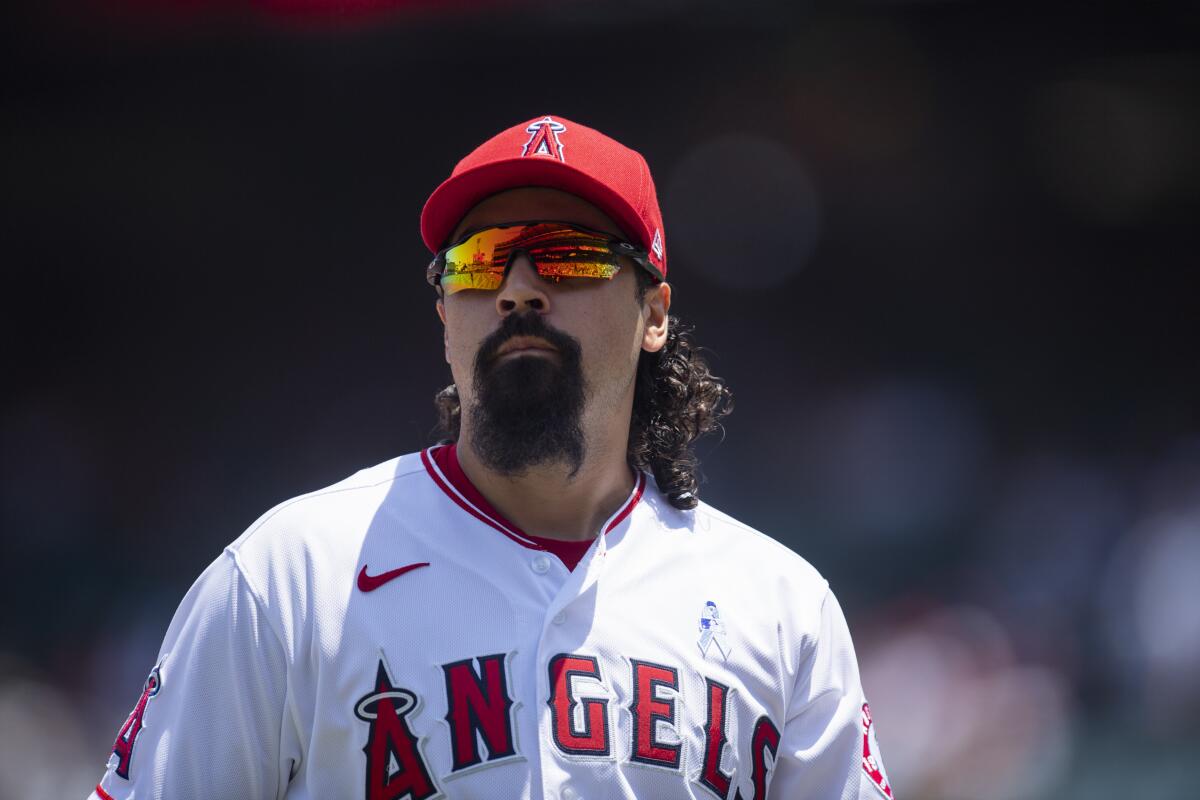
538	362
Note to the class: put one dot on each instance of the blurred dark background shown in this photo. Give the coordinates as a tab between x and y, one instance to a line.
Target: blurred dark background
942	251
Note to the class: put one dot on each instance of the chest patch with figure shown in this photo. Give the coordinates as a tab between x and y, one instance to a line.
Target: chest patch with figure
712	631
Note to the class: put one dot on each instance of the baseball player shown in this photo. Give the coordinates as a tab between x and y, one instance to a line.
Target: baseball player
539	607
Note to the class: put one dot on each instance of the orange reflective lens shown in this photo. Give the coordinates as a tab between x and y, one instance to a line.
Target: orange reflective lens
557	250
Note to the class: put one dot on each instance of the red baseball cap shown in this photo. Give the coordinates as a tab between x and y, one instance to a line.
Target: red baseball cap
559	154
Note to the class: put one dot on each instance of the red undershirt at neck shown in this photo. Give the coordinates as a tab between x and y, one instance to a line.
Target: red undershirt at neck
568	552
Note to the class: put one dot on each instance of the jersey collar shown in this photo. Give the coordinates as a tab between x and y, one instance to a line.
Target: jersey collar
441	462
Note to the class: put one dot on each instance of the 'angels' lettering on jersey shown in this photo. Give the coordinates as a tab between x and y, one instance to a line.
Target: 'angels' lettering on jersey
649	708
715	738
479	703
764	743
591	737
394	766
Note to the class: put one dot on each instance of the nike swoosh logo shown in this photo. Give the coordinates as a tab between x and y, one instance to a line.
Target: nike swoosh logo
369	583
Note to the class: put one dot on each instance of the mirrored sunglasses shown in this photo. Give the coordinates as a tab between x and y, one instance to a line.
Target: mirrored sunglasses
558	250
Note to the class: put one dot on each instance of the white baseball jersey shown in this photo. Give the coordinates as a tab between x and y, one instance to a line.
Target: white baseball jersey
392	636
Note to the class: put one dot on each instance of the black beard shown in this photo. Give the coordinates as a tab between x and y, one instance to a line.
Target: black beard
528	409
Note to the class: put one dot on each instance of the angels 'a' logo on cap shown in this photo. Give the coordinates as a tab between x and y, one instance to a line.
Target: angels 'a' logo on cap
656	244
543	139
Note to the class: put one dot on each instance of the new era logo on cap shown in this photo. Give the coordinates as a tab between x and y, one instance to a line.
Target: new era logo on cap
599	169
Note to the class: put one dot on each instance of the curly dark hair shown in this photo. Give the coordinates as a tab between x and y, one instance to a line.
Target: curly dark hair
676	400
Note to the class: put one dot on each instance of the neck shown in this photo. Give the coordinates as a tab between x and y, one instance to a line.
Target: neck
544	501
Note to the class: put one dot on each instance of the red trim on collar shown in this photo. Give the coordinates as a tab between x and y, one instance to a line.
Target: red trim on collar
447	458
638	489
442	465
435	472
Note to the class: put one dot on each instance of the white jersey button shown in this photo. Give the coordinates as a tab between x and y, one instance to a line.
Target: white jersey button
559	619
540	565
568	793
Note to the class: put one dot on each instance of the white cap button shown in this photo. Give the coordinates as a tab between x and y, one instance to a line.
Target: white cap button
560	618
540	565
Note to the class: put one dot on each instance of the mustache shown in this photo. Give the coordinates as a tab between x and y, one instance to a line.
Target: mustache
527	324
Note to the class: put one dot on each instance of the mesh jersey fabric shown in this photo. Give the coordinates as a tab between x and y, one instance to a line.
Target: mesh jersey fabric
271	667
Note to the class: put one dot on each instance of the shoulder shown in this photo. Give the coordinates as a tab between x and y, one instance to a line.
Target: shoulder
773	598
712	539
325	529
361	492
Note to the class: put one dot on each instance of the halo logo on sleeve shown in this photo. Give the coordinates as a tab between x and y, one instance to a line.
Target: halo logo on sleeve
871	760
543	139
128	735
712	630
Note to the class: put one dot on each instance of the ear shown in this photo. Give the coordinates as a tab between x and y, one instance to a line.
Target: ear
441	312
654	309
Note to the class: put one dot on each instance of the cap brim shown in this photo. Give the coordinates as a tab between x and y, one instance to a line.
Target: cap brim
458	194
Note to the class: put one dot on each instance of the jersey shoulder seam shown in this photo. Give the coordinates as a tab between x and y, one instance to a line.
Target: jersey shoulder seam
265	611
721	516
337	488
263	608
803	668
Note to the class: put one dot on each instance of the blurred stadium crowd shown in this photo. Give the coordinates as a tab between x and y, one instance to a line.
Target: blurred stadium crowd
943	253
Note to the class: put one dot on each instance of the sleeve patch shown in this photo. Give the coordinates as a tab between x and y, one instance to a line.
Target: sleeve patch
128	735
872	762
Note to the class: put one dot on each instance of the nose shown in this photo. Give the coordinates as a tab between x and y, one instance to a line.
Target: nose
522	289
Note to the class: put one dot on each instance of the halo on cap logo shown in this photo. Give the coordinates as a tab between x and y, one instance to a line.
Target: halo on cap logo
543	139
